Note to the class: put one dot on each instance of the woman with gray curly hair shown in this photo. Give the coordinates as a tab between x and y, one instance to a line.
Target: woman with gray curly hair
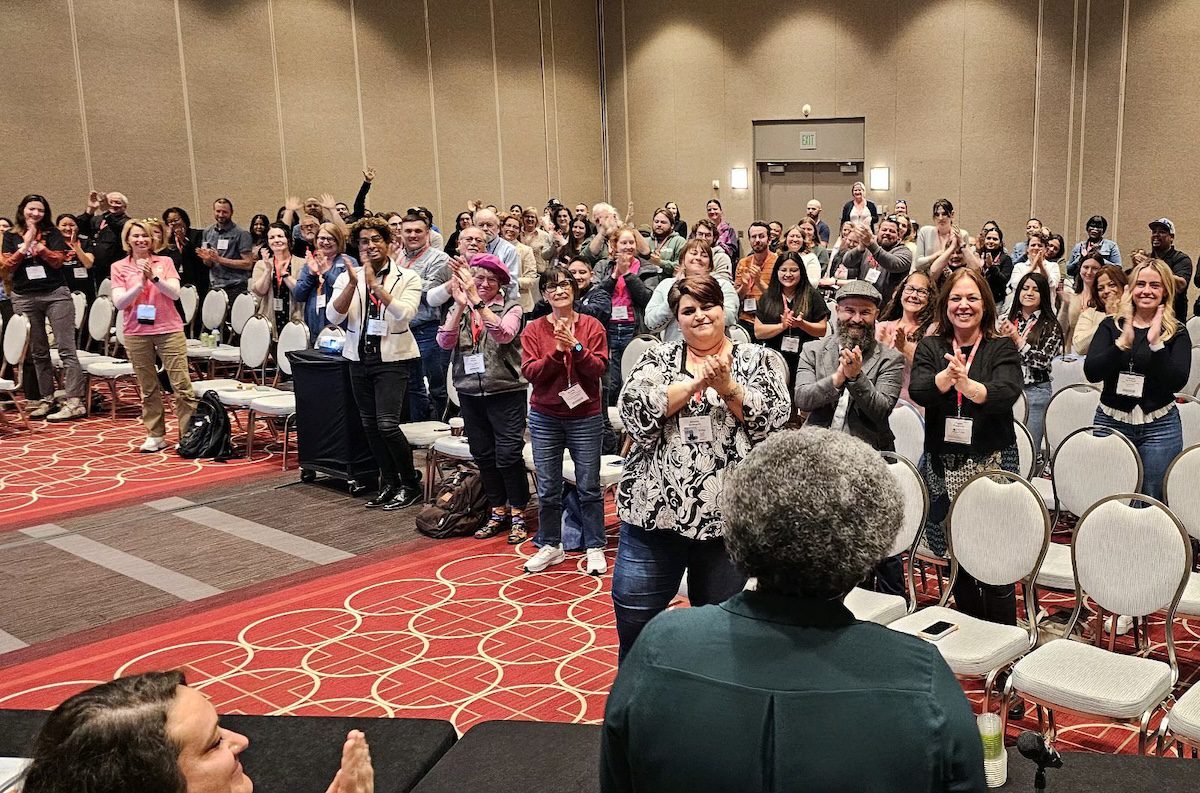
786	683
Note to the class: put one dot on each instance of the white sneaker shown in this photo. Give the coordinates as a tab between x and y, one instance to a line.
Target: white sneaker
70	409
596	563
546	556
153	444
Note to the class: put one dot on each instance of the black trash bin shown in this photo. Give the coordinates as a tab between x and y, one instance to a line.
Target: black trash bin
331	439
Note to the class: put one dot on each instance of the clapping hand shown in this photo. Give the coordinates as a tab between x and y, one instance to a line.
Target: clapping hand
147	273
1009	328
956	368
624	262
356	774
850	362
1154	334
564	334
717	372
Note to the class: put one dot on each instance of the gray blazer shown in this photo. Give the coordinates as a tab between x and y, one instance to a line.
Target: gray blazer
873	393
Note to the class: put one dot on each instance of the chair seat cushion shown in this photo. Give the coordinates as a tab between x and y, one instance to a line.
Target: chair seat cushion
1087	679
610	470
200	352
422	434
1189	603
453	446
241	397
1056	571
876	607
281	404
110	369
1046	490
1184	718
7	385
226	354
976	648
202	387
614	418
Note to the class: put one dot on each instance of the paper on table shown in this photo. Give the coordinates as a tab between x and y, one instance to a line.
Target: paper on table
11	769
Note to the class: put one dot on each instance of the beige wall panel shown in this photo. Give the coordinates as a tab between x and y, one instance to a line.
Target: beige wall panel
315	53
136	126
1054	118
654	125
997	145
394	70
27	82
522	103
465	98
231	92
1100	132
578	98
614	67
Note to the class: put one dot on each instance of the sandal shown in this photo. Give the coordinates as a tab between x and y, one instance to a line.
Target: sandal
496	523
517	533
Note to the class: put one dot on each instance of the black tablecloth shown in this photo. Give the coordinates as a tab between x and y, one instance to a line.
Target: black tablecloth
330	437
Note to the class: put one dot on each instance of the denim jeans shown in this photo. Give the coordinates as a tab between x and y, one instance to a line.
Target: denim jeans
416	407
649	568
1037	397
619	336
551	436
1157	443
434	361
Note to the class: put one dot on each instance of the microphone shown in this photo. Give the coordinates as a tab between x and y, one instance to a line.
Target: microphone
1033	746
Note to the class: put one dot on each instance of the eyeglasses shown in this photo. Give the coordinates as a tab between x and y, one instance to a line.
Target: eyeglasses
916	290
557	286
372	238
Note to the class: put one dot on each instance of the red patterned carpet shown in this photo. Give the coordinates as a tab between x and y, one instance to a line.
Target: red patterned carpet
76	466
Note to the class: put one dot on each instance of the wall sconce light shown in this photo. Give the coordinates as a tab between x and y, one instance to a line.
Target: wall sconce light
739	179
880	178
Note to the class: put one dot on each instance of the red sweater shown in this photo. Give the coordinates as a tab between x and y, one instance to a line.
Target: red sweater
546	368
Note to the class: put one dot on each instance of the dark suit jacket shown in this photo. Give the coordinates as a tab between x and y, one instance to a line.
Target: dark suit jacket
770	692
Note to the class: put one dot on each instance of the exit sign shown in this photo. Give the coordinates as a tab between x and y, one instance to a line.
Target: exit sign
808	140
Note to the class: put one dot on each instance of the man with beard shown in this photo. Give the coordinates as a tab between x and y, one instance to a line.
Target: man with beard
847	381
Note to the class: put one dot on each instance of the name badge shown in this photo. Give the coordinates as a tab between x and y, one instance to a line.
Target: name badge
473	364
620	312
377	327
320	300
222	245
958	430
696	429
790	344
146	313
279	304
749	304
35	272
81	273
871	276
1130	384
573	396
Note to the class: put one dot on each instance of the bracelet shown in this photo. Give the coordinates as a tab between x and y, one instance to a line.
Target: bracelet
733	394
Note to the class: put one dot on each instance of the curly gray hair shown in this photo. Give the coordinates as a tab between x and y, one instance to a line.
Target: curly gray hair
810	512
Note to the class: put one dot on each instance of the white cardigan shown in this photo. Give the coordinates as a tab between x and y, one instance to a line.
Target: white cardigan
405	288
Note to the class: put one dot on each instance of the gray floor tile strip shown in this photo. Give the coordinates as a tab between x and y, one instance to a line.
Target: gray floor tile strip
264	535
43	530
181	586
169	504
8	642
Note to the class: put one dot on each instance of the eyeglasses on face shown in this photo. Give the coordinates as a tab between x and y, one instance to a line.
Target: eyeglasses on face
916	290
557	286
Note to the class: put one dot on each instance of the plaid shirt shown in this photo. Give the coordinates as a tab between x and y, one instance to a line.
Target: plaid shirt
1035	360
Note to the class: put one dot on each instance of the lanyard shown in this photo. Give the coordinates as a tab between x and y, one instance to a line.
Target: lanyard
970	360
376	302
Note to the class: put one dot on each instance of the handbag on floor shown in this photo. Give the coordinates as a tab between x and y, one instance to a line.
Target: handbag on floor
459	508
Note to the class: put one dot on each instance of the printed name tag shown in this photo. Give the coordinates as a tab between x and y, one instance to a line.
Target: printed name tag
958	431
320	300
146	312
791	344
1130	384
279	304
872	276
81	273
696	429
749	304
35	272
573	396
473	364
620	312
377	327
222	245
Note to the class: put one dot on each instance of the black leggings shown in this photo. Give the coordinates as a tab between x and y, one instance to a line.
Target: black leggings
379	390
495	426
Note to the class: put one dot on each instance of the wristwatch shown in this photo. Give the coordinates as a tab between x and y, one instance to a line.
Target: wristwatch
155	279
479	306
578	348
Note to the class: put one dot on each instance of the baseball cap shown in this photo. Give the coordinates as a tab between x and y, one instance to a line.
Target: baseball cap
1165	223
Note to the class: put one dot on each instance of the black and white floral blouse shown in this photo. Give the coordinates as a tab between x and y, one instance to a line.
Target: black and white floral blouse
672	485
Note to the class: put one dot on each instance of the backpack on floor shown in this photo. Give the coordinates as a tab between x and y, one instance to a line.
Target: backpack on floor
208	433
459	508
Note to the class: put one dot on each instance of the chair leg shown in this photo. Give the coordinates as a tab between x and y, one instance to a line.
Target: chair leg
287	428
1143	732
112	386
989	683
250	421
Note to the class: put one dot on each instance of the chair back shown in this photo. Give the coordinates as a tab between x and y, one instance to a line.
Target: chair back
100	319
243	309
998	529
216	305
105	288
1066	371
1131	561
909	429
16	340
1193	329
451	391
1070	409
120	327
79	299
1093	462
916	502
255	342
1020	408
294	336
633	353
1193	381
189	298
738	333
1180	491
1026	454
1189	416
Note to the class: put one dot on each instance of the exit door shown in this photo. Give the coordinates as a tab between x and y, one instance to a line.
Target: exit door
784	196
